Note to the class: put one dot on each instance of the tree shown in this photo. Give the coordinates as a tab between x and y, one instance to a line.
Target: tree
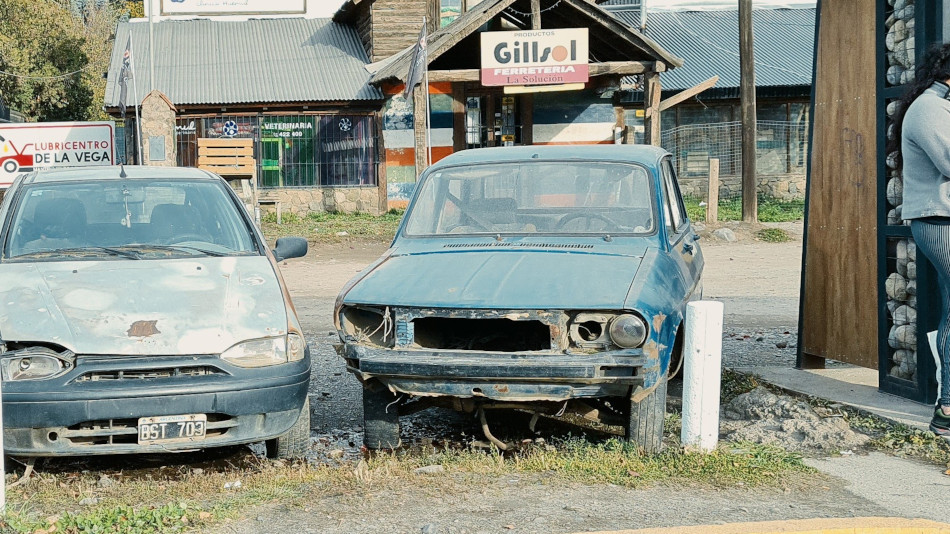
98	21
42	60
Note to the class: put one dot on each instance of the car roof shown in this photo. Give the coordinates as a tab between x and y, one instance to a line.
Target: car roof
644	154
113	172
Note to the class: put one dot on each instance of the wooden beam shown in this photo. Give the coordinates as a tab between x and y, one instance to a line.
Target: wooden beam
651	103
688	93
622	68
535	14
458	117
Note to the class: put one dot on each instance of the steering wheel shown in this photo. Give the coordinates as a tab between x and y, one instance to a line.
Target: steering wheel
186	237
590	217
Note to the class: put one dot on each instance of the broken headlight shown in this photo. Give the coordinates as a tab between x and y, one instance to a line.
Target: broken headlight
266	351
34	363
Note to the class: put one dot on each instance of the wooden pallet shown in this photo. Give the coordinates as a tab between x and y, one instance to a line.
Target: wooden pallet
233	159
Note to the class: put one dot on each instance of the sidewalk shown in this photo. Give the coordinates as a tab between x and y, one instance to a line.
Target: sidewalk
848	385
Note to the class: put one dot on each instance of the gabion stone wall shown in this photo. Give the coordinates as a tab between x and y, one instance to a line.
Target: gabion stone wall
901	282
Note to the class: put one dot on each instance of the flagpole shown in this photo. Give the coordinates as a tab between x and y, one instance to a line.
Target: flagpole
135	95
425	78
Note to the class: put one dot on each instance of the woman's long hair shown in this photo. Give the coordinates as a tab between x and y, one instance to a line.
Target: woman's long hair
934	67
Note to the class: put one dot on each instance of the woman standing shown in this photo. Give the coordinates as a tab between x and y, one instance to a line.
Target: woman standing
923	130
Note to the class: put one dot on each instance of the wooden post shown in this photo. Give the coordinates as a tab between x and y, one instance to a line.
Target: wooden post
747	96
712	195
535	14
651	104
419	127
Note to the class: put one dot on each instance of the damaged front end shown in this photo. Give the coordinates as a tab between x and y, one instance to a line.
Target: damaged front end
589	363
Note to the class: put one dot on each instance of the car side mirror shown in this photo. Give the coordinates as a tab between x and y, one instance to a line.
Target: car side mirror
290	247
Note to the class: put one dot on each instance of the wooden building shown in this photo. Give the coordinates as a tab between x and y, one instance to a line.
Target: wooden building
468	113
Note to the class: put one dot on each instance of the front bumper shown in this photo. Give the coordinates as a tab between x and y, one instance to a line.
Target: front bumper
76	415
500	376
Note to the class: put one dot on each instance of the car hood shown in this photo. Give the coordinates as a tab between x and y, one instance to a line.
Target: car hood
509	279
142	307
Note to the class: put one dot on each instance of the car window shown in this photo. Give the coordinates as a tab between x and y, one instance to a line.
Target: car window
676	212
148	216
563	197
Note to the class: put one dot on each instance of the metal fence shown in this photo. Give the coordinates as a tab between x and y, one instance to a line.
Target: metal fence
338	150
781	154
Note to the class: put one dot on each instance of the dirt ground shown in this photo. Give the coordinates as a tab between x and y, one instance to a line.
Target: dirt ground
759	284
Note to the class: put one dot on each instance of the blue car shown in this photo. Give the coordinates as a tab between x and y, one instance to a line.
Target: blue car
547	278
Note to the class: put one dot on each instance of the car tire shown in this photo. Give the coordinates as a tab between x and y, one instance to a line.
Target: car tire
294	443
380	417
10	166
646	418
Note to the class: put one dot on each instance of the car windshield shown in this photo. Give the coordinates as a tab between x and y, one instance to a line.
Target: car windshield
559	197
134	219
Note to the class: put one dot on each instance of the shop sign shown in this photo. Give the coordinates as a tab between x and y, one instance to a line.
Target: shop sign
28	146
233	7
535	57
287	129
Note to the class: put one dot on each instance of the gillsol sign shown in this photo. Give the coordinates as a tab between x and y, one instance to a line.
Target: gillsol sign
535	57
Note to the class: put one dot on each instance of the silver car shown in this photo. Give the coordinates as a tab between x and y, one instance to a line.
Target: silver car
142	312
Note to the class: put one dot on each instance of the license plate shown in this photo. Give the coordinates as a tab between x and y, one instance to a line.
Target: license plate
172	428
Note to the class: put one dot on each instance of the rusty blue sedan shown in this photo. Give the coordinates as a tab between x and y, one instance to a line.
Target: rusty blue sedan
547	278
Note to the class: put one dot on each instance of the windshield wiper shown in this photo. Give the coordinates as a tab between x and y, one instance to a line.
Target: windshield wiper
80	251
177	248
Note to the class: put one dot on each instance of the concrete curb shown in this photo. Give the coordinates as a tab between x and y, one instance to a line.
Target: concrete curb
855	525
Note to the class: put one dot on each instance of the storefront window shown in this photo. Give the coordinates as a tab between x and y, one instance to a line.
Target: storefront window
293	150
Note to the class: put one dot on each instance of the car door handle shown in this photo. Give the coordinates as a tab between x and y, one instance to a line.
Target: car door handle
696	237
687	248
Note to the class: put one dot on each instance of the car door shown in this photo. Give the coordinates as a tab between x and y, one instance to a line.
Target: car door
682	240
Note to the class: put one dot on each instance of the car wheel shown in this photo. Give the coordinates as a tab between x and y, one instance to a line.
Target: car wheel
646	418
380	417
295	442
10	166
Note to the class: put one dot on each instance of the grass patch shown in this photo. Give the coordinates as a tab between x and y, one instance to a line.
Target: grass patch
733	384
773	235
901	440
770	209
332	227
50	502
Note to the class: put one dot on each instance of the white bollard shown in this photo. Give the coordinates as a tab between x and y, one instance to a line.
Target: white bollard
702	372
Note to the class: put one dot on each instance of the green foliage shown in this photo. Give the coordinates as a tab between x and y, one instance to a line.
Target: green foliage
733	384
334	227
122	519
901	439
770	209
773	235
616	461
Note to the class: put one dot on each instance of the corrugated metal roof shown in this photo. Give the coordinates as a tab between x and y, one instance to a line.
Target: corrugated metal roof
242	62
709	42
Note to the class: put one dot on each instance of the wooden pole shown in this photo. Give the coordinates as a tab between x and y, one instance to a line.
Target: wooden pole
712	195
419	127
535	14
747	96
651	103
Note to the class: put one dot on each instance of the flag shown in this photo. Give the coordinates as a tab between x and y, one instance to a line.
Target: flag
124	73
418	65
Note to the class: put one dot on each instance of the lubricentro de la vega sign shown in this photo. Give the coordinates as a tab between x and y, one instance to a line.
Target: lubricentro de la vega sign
535	57
35	145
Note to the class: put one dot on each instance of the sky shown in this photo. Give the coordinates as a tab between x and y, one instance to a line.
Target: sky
327	8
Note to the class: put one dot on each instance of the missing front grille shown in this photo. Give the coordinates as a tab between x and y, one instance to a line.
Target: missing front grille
494	335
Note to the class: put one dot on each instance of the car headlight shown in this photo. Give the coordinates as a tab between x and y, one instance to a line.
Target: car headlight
32	364
266	351
628	331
